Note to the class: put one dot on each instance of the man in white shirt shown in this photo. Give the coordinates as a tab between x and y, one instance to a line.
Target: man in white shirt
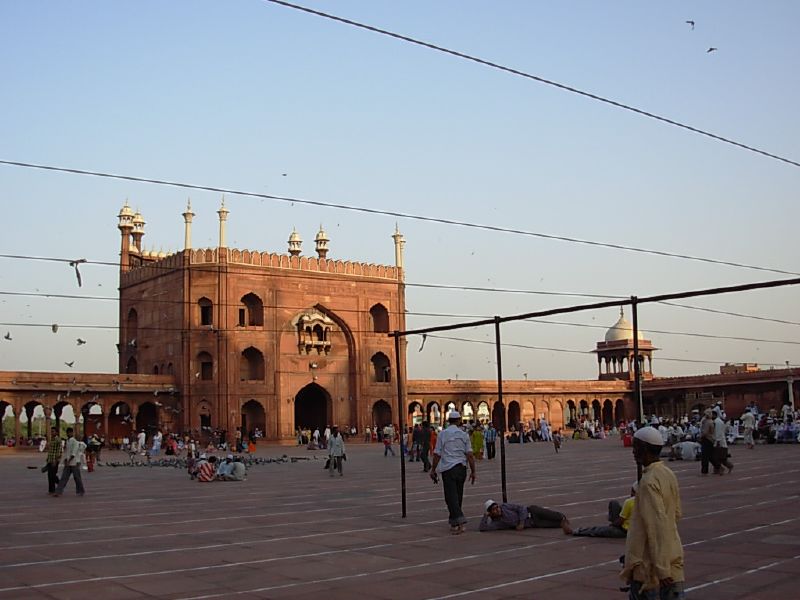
450	458
141	441
748	420
720	445
72	458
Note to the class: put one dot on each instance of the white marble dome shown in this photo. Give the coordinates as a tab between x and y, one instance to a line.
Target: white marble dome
621	330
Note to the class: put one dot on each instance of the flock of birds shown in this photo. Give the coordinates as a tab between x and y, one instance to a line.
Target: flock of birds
711	48
181	463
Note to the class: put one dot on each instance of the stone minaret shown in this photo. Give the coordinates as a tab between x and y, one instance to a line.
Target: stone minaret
322	242
138	231
223	217
187	227
295	243
125	226
399	242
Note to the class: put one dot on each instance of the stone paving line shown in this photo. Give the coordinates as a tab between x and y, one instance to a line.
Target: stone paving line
744	497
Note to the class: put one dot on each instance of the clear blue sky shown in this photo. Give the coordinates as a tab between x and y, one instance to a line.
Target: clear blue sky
236	93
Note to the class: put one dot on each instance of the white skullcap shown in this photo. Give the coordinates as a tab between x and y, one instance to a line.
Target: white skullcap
203	455
488	504
649	435
454	414
230	456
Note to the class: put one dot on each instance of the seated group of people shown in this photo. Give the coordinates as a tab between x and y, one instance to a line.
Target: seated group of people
205	469
505	515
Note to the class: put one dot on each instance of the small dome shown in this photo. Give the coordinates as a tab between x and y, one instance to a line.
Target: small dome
321	235
621	330
162	254
126	210
138	219
294	236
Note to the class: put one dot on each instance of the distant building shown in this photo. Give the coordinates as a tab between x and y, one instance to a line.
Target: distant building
222	339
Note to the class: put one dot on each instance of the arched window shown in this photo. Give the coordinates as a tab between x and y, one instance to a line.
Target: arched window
251	365
252	313
132	366
380	318
206	364
319	333
170	369
155	369
132	328
383	368
206	311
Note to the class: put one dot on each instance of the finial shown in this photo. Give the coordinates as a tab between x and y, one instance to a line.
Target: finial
621	312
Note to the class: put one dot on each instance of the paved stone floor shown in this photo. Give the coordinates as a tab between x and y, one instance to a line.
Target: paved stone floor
291	531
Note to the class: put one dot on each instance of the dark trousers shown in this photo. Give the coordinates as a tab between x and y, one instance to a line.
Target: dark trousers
453	483
671	592
706	454
335	464
65	474
720	459
426	462
52	477
544	517
490	450
608	531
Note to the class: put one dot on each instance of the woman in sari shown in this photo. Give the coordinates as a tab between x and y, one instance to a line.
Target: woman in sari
476	437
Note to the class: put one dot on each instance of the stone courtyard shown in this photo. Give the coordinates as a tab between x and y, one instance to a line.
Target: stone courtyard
291	531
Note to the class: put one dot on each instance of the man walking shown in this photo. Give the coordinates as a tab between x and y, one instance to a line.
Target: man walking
72	465
749	423
425	446
706	441
450	458
653	551
720	445
53	458
335	450
490	438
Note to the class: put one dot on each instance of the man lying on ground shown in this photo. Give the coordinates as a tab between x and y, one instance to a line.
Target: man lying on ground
516	516
619	516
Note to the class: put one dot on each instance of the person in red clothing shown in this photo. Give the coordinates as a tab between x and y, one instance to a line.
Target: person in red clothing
206	469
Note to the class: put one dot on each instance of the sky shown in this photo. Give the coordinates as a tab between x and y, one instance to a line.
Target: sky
236	94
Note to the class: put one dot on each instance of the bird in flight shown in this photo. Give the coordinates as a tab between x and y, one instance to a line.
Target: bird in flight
424	339
81	342
69	364
54	327
7	336
74	264
712	49
690	23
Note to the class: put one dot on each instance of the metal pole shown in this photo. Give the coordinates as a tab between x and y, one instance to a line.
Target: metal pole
499	354
637	376
400	421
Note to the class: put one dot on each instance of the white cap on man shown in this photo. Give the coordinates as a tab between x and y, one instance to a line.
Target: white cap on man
649	435
488	504
453	414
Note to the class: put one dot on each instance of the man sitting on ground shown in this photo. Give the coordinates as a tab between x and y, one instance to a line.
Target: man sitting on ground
516	516
685	451
225	468
206	469
619	517
238	472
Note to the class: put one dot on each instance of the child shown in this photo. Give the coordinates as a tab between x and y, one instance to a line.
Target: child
557	440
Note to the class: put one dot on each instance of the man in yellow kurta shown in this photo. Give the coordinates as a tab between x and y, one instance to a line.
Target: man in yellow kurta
653	550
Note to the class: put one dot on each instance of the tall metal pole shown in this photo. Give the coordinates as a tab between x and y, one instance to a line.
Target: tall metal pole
637	376
400	420
499	354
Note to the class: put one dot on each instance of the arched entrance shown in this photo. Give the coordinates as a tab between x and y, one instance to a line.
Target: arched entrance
608	414
483	412
514	415
32	417
92	419
415	414
571	414
381	413
498	418
312	408
147	418
7	421
596	410
467	413
120	421
619	411
253	416
434	413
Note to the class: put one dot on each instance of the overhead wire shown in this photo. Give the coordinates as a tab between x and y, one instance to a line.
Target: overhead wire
539	79
402	215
